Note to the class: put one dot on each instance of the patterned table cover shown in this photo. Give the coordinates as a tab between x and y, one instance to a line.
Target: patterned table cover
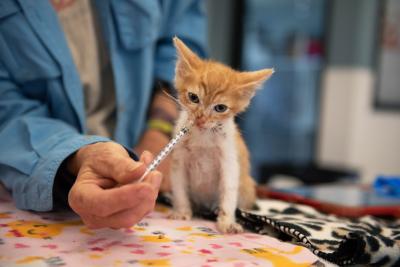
60	239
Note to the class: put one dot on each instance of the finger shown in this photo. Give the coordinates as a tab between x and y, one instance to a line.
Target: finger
155	179
126	170
146	157
92	199
118	166
101	157
122	219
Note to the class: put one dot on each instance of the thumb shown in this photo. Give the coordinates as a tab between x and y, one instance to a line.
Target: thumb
127	170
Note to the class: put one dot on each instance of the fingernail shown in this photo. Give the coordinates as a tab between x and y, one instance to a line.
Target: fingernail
146	157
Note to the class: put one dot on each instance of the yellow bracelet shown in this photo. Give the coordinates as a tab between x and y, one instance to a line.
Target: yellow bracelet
161	125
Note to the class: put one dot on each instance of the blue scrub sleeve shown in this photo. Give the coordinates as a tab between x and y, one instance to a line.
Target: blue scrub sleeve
33	145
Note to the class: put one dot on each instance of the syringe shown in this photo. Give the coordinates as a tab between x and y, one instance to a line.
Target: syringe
166	150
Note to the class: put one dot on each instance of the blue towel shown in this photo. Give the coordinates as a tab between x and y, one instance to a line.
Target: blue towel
388	186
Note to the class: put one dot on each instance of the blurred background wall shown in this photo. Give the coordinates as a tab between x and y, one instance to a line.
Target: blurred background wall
354	130
332	109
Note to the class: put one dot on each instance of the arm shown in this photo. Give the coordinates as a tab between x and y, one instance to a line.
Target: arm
162	115
40	131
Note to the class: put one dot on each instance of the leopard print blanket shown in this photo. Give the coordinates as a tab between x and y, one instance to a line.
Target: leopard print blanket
366	241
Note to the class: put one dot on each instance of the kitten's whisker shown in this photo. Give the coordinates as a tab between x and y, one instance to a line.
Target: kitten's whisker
180	104
171	97
239	117
176	100
243	132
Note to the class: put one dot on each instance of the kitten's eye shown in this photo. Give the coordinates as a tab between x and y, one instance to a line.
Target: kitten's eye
220	108
193	97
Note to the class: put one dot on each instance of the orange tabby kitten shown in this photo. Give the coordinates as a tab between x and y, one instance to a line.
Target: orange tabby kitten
210	166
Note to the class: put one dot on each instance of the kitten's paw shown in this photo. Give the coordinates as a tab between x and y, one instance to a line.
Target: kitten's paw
180	215
229	227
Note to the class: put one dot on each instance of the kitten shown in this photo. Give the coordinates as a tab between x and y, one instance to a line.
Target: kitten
210	166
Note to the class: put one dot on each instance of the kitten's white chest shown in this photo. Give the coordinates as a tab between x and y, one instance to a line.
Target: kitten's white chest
203	167
206	163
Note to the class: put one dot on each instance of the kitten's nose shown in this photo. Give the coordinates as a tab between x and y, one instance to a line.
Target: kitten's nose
200	121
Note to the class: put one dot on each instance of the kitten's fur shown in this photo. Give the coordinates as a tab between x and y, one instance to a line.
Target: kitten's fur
210	167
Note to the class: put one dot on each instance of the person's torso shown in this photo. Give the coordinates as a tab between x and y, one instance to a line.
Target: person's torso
80	23
34	50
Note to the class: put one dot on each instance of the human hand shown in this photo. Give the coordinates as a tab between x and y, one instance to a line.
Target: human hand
154	141
104	194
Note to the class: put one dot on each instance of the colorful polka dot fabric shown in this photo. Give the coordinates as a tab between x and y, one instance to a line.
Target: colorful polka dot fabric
60	239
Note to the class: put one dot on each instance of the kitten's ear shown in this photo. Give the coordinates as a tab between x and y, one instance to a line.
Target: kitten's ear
187	59
254	79
251	80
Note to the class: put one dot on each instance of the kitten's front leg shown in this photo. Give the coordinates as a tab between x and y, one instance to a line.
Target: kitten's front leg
229	189
180	199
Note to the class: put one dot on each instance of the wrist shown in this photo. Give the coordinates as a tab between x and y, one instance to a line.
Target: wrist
163	126
73	163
